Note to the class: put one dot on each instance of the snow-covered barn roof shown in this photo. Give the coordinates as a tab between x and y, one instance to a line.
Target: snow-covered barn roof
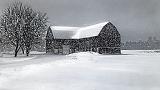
63	32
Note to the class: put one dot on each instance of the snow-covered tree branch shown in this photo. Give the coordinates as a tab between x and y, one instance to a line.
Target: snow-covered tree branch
22	27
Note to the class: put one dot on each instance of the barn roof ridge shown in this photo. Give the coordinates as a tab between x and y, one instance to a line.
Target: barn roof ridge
60	32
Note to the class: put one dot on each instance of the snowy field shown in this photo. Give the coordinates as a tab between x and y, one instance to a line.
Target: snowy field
133	70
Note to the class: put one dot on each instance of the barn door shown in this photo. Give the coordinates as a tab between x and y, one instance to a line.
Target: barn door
66	49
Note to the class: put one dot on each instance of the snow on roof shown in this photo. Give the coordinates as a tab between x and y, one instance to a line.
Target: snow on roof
63	32
64	28
89	31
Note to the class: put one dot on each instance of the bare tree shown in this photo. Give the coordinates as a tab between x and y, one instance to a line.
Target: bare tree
22	26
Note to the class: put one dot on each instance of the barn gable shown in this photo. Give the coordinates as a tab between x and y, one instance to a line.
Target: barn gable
49	34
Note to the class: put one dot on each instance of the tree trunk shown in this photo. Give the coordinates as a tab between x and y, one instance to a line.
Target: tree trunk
16	51
27	52
17	48
22	50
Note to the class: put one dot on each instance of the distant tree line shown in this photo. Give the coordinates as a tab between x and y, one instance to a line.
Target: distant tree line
150	44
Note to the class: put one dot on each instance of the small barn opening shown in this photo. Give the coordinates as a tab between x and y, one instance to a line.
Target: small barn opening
66	49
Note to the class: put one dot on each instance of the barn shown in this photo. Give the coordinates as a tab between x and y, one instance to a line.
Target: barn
102	38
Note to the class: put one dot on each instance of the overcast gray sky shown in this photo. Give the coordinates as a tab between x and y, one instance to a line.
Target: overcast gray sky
135	19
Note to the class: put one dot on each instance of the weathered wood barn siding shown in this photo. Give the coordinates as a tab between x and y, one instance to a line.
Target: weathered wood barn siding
108	41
